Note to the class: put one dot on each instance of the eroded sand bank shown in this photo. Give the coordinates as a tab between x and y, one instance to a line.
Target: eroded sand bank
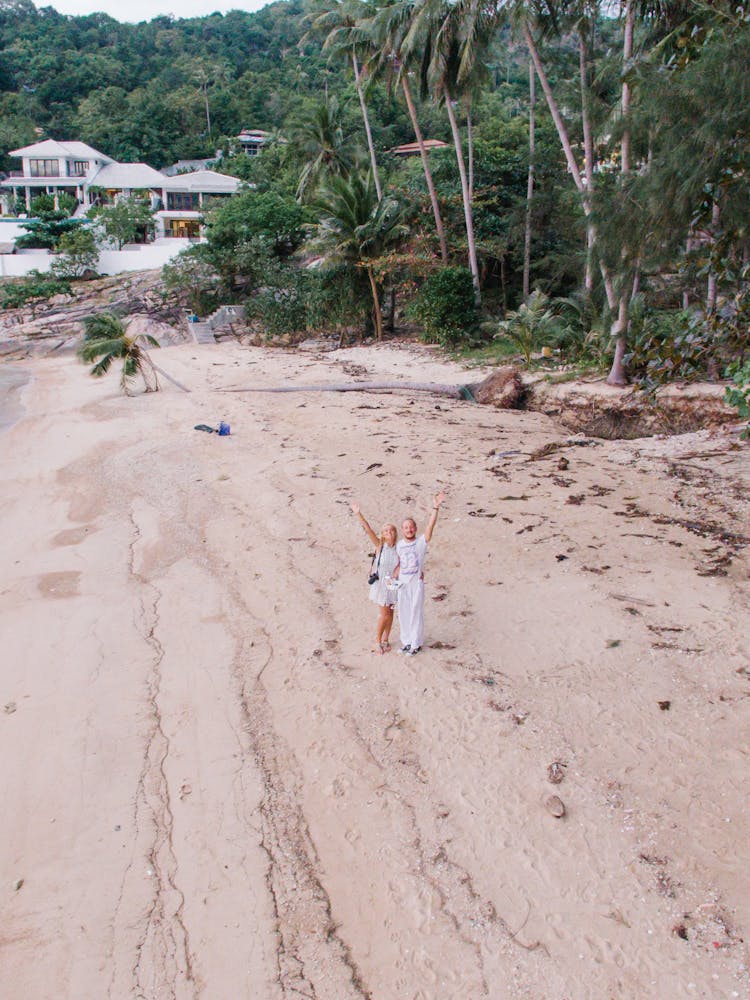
212	788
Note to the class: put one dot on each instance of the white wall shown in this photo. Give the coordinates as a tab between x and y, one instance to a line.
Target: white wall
10	229
148	257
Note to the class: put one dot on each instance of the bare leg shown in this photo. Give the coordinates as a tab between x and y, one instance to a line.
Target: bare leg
386	633
383	626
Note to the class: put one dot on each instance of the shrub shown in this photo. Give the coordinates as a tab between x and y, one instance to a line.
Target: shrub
78	254
192	274
34	286
532	326
738	395
668	346
446	309
583	334
294	300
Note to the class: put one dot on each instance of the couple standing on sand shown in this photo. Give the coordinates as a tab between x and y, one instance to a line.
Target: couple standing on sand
398	579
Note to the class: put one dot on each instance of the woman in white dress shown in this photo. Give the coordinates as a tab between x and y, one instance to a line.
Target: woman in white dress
384	563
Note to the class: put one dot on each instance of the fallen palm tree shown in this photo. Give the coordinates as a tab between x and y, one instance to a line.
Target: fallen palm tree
503	388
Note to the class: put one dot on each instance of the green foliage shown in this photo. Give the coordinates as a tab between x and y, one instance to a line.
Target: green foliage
42	203
738	395
78	254
668	346
266	218
106	341
446	309
282	305
322	148
532	326
583	335
356	229
193	274
35	286
293	300
50	224
128	220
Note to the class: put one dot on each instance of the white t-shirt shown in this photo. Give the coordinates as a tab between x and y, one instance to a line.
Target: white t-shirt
411	556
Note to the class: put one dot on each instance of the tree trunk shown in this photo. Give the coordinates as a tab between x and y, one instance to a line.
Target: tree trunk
712	291
427	174
627	55
588	148
437	388
368	132
570	159
468	219
470	144
208	113
619	331
530	184
392	317
617	374
376	311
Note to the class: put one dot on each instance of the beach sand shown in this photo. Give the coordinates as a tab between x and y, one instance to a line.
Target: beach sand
213	788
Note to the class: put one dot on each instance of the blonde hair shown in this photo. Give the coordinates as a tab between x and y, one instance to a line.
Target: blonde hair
384	529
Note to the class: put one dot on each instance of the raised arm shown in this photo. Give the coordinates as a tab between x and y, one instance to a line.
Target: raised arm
363	521
437	501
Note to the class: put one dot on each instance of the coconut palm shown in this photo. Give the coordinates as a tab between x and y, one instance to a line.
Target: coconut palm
532	326
337	20
387	29
452	38
357	227
106	339
324	149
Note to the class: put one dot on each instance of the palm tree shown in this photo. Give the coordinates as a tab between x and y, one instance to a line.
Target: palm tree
105	338
453	38
205	74
532	326
387	30
319	141
356	227
338	21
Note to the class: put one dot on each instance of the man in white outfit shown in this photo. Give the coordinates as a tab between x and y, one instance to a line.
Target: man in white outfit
410	572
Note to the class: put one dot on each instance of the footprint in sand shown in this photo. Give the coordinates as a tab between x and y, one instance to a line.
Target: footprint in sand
62	584
71	536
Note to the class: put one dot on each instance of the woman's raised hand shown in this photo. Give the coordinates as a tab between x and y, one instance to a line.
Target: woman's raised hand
439	498
356	509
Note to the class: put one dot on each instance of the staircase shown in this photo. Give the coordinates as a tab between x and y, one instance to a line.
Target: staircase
203	331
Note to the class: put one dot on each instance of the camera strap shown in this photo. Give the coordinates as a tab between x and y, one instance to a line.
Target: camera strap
373	564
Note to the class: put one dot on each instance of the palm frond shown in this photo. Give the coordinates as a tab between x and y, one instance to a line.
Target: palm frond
90	350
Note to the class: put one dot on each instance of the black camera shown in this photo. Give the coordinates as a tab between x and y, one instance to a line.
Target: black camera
373	578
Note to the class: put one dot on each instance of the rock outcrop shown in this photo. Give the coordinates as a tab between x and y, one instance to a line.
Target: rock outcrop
48	325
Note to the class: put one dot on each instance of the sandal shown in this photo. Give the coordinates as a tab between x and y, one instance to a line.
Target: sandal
379	649
386	647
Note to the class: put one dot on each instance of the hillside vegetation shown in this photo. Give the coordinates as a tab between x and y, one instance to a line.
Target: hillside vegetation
590	201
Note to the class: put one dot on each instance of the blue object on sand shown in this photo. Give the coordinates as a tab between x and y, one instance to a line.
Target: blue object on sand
224	429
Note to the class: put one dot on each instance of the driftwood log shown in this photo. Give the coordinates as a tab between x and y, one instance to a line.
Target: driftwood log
503	389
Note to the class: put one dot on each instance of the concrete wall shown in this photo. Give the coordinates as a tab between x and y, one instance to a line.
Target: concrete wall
148	257
10	229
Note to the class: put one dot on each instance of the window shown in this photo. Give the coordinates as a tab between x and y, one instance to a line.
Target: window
44	168
182	201
79	168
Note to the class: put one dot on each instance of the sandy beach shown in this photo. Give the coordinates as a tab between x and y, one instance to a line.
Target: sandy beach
213	788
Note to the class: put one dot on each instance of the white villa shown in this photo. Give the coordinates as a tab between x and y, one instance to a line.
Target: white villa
93	178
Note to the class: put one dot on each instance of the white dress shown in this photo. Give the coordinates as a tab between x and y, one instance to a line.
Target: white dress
379	593
411	592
